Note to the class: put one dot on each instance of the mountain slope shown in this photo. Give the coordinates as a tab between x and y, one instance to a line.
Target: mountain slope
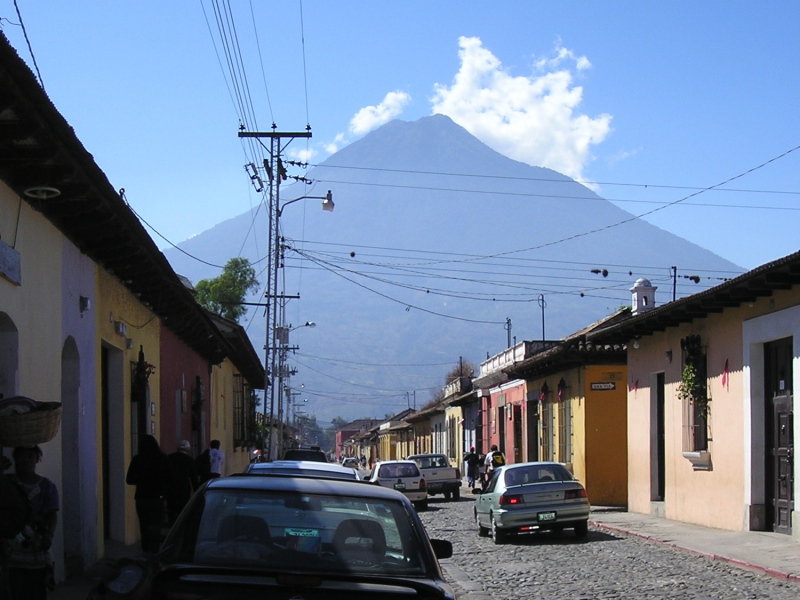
435	242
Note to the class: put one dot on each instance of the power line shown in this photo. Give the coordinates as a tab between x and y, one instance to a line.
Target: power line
549	180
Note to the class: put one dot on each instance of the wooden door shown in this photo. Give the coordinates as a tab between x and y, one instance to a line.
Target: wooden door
780	435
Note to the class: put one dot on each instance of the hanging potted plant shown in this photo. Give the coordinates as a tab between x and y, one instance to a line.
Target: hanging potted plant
692	390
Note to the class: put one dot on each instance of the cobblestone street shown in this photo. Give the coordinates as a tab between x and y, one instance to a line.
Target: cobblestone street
603	566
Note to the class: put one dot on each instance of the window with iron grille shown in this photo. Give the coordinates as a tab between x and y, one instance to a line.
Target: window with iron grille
547	431
239	412
565	431
693	393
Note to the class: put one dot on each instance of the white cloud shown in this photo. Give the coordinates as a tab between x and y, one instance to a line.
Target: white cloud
531	119
372	117
304	155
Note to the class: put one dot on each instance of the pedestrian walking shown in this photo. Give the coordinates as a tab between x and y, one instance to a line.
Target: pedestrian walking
150	472
30	561
217	459
184	482
473	466
493	460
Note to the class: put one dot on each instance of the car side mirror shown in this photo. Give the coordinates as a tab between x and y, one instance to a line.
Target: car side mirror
442	548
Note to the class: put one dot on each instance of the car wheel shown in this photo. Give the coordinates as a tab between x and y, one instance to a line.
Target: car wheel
482	531
456	494
447	495
497	534
581	529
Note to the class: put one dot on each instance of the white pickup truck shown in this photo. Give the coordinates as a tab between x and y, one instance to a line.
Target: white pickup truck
439	475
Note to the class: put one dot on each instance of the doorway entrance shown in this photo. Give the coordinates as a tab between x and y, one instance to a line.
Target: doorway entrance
779	435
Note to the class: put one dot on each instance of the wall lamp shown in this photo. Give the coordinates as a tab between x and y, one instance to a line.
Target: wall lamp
668	355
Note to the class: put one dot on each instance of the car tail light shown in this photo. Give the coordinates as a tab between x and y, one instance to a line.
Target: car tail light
423	485
572	494
512	500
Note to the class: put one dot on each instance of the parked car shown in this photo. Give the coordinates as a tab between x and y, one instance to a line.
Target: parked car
314	453
439	475
288	537
303	468
403	476
352	462
530	497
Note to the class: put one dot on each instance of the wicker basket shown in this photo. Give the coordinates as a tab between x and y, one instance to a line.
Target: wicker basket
31	428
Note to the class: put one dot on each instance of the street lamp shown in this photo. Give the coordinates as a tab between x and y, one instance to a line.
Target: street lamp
276	363
327	202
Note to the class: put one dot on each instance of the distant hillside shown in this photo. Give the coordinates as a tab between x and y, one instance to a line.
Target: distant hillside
458	230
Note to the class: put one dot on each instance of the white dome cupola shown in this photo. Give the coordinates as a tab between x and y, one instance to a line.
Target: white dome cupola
643	296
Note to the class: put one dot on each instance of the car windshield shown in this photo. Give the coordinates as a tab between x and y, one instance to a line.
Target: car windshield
399	470
536	474
287	530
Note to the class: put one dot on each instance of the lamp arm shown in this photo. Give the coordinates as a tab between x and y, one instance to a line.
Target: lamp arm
327	197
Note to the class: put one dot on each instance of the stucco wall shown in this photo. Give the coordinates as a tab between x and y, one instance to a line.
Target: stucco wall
116	304
33	309
711	497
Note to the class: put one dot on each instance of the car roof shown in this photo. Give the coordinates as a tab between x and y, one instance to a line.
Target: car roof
534	464
394	462
306	485
299	467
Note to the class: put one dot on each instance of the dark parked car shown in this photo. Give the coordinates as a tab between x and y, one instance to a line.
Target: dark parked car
531	497
314	453
279	537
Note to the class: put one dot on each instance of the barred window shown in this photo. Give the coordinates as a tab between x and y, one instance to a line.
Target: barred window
693	393
565	431
239	413
547	418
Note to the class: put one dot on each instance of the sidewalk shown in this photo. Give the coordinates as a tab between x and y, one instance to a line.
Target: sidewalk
772	553
79	587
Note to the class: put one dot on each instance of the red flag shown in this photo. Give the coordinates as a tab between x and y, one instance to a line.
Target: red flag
725	374
635	386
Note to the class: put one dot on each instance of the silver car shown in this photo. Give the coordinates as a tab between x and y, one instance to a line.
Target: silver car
530	497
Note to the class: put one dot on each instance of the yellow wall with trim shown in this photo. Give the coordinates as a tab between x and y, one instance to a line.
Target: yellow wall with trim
116	304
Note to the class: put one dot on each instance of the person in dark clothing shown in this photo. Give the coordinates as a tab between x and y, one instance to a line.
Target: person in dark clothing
30	564
150	472
473	461
184	482
203	463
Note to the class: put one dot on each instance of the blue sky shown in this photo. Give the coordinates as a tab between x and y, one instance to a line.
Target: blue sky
648	103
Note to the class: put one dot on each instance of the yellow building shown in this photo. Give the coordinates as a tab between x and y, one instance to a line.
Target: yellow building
574	411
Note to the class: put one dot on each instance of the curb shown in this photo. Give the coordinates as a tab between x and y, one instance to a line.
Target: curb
710	555
465	587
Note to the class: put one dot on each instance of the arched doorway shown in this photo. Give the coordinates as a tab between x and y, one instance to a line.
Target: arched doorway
70	450
9	356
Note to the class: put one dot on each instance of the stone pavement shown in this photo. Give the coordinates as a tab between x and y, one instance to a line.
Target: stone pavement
771	553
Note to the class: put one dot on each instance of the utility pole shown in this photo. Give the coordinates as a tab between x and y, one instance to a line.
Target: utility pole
275	175
542	304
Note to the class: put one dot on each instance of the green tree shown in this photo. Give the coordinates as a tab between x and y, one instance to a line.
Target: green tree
225	294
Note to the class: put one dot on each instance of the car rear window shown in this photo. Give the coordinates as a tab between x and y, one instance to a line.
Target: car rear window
536	474
399	470
306	532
